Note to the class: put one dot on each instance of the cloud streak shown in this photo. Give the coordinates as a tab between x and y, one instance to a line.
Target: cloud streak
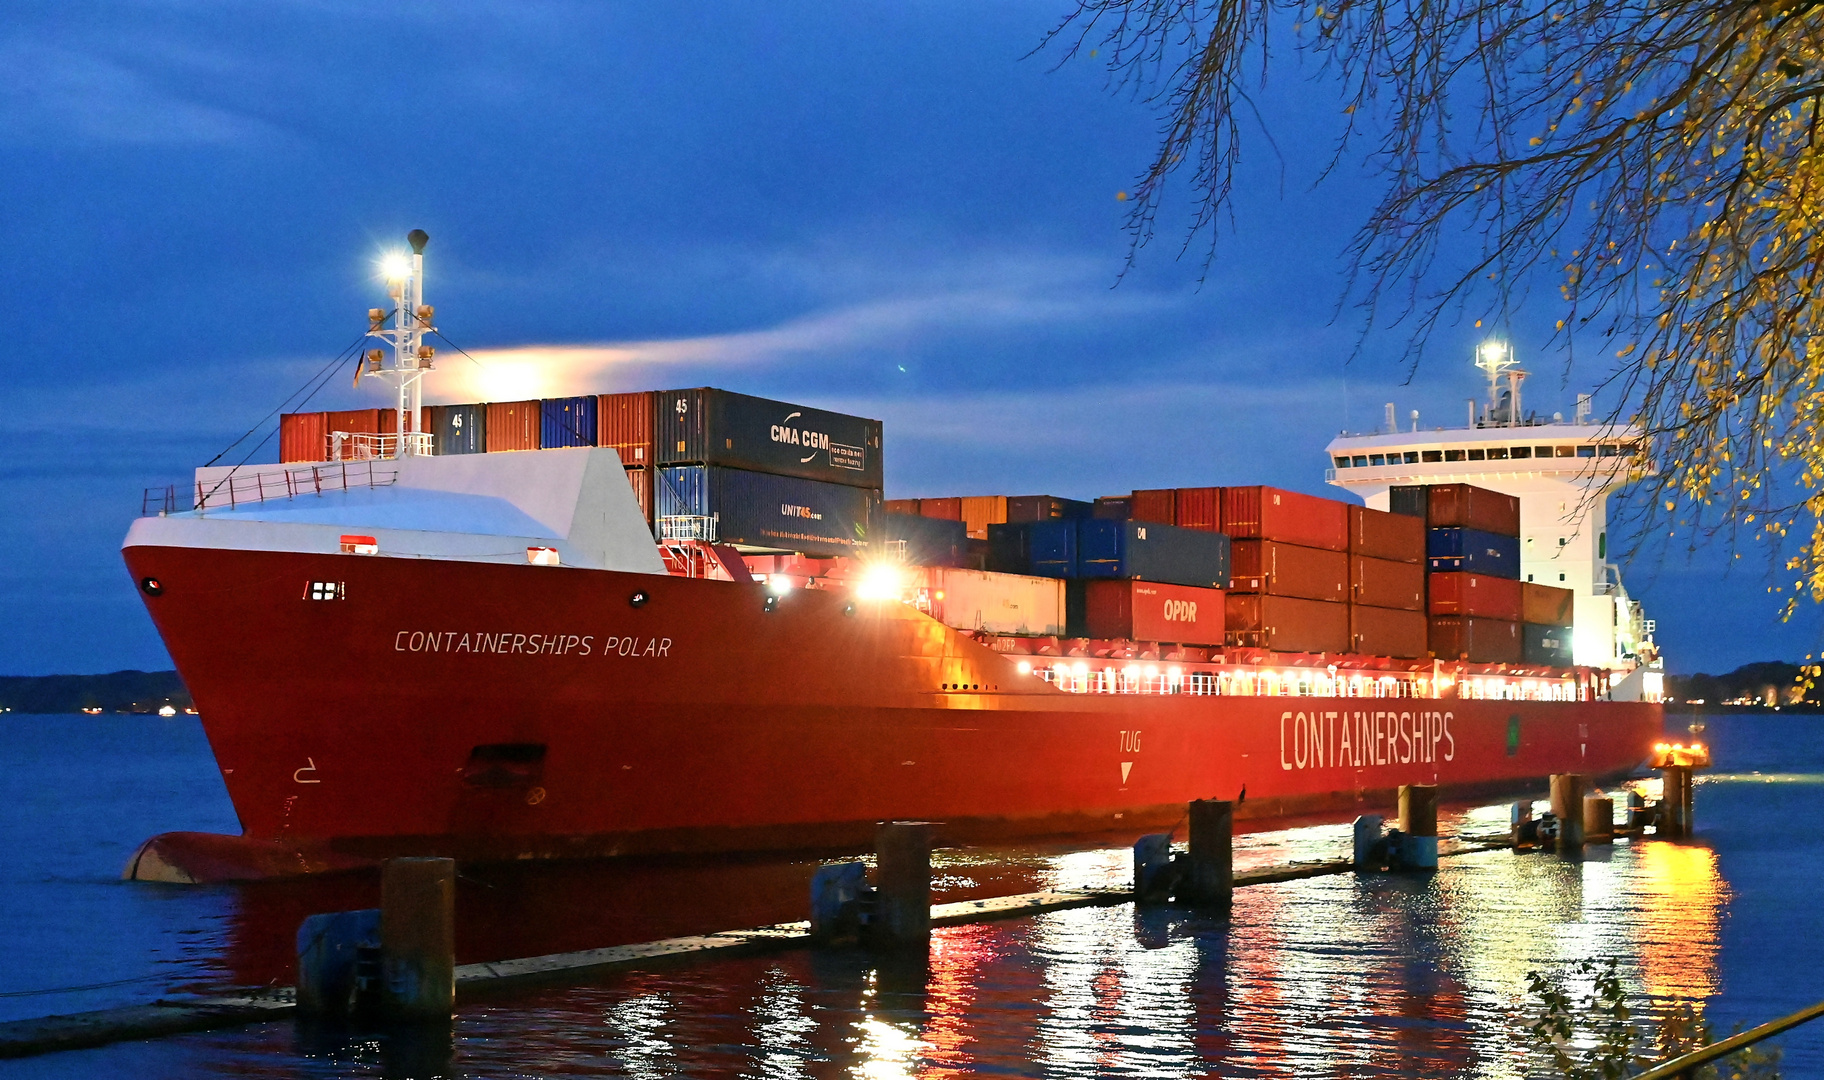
555	370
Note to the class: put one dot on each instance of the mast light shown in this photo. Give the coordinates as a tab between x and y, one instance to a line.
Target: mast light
396	267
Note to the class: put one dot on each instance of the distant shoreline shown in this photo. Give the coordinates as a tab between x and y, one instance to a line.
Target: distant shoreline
116	692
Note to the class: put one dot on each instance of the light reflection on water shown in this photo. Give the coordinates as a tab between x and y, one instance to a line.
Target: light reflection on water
1336	976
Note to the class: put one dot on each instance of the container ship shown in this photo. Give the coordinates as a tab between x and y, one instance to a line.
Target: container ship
687	621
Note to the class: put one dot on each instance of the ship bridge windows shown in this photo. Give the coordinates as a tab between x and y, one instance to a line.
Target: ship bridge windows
1566	451
1411	457
1496	453
1360	461
1453	455
1342	463
1431	455
1542	451
1586	451
1377	459
1478	455
1519	452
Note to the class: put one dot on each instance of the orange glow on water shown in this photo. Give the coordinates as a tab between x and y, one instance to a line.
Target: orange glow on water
1682	895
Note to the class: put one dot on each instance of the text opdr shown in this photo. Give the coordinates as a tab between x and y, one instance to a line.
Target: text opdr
1319	740
511	644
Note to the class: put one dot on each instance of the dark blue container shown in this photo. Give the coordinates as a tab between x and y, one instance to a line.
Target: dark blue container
1112	507
1046	508
1052	548
776	513
1473	550
1548	645
930	541
461	429
1010	548
1146	551
568	421
717	427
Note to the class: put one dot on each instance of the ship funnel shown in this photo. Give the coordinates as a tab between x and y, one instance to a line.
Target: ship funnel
417	238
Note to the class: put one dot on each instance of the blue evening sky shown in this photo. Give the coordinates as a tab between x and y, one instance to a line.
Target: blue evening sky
885	208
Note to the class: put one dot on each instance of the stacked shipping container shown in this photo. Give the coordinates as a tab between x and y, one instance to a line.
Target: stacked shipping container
771	474
1289	591
1479	608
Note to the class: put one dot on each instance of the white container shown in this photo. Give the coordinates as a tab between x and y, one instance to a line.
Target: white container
997	603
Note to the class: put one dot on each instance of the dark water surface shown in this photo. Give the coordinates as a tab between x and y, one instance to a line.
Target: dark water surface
1333	977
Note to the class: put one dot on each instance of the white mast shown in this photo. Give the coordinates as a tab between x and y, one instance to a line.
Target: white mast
411	357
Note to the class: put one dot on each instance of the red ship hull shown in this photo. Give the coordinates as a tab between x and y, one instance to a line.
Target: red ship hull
496	711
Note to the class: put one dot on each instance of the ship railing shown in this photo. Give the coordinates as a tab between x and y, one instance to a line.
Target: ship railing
1124	677
683	528
365	446
158	501
263	485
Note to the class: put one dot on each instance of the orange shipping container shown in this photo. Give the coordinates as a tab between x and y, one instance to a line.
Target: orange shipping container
1480	641
1201	508
1377	631
304	437
1461	593
981	511
1155	505
1286	624
361	421
641	479
514	425
1150	611
1384	583
1266	566
1545	605
1380	535
1286	516
950	509
1470	507
624	421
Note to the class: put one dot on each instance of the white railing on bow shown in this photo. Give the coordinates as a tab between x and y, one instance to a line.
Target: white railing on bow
263	485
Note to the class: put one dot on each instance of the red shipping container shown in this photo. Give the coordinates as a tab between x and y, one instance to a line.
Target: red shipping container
1286	624
1480	641
1155	504
1380	535
1469	507
1378	631
1199	508
1383	583
433	415
1266	566
900	506
515	425
1287	516
1150	611
624	421
641	479
361	421
1545	605
304	437
942	509
1461	593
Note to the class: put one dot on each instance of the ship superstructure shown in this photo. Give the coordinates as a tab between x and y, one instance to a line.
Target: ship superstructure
1562	471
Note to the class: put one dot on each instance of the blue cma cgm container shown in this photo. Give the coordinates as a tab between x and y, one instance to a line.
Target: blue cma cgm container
567	421
761	510
1474	551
